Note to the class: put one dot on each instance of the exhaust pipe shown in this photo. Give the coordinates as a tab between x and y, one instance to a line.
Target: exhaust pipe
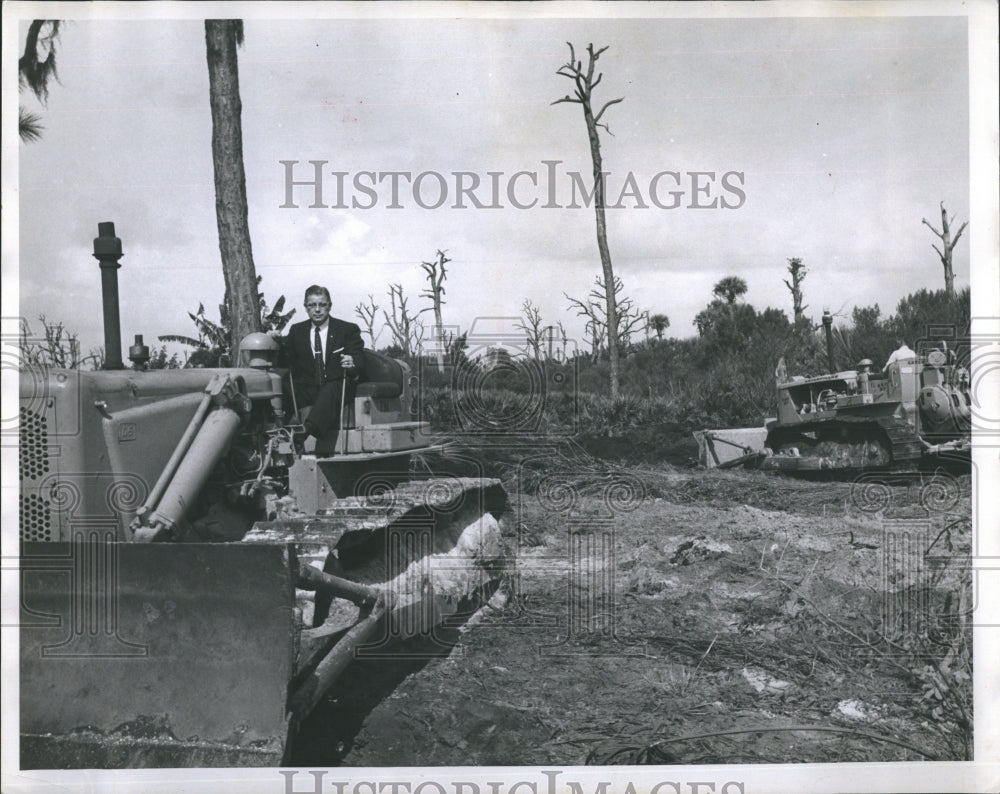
107	251
827	328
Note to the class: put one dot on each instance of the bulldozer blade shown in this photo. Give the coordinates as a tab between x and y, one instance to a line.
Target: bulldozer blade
155	655
729	447
432	548
742	460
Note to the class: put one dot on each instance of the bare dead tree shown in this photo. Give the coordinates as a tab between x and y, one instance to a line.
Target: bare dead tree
401	323
457	344
419	333
531	324
584	84
630	322
366	313
798	272
595	329
948	244
436	275
629	319
564	340
596	332
56	347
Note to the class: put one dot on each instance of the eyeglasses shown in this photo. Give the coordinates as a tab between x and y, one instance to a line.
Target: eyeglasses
317	305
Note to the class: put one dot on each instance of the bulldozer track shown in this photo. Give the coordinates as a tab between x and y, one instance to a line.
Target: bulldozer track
905	448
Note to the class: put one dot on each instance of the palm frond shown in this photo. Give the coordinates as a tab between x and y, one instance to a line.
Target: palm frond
183	340
29	125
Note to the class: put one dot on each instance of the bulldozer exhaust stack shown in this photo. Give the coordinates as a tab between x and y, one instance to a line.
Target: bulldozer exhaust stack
828	331
107	251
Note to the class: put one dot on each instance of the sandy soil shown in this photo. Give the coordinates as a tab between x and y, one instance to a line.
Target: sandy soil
670	616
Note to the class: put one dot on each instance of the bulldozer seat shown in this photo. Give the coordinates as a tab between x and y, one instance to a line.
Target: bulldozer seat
383	380
380	389
382	376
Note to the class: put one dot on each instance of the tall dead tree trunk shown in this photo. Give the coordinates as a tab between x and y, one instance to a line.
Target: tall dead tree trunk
585	83
436	274
947	246
798	273
222	36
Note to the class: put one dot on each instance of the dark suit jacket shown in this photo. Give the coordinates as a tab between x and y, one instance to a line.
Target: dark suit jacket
298	352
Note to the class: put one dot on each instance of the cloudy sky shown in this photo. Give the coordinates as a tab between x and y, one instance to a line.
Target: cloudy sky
844	132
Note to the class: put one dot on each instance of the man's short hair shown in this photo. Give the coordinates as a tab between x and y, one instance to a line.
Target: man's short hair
316	289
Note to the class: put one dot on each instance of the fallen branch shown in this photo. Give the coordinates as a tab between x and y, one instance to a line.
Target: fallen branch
737	731
812	605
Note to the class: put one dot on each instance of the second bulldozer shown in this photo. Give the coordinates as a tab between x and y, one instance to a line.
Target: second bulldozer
917	409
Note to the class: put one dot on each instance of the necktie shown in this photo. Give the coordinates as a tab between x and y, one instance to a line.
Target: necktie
318	355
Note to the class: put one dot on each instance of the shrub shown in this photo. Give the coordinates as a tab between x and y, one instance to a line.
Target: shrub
723	378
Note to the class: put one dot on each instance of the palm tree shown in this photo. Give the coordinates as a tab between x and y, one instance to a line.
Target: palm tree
730	288
659	323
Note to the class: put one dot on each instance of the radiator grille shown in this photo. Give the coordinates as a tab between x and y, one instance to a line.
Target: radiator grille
34	445
34	511
35	519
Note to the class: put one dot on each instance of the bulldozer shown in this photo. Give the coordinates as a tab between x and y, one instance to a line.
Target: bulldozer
916	411
191	582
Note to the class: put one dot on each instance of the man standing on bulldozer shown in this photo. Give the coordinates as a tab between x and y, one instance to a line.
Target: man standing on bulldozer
901	353
325	358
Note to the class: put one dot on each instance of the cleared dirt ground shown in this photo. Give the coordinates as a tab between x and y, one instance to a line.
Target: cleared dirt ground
663	615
